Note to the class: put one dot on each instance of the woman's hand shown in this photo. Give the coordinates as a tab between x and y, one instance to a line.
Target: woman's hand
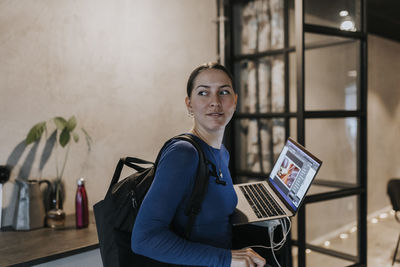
246	257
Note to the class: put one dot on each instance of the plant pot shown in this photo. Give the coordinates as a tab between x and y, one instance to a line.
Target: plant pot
55	217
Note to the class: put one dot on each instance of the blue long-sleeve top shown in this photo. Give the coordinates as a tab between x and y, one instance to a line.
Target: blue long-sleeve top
163	209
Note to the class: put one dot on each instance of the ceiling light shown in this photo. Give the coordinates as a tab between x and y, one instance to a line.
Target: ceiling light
343	236
383	215
343	13
347	25
352	73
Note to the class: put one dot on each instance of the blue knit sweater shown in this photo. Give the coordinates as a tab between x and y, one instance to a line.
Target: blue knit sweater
163	209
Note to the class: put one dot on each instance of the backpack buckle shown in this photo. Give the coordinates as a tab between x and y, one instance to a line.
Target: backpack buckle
134	203
195	210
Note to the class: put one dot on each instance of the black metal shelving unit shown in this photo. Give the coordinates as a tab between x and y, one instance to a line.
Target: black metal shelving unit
341	190
273	117
337	189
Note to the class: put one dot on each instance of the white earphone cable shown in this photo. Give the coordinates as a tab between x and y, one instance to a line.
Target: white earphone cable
276	246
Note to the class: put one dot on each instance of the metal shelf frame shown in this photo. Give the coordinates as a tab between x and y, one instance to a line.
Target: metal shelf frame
360	189
341	189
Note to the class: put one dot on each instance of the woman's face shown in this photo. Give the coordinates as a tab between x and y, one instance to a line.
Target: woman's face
212	101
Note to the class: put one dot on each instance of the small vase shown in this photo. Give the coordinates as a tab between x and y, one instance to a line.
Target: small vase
55	217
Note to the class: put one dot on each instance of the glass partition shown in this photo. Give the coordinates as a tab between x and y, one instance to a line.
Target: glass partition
292	83
258	143
334	231
259	26
340	219
334	141
340	14
330	119
331	73
261	86
291	22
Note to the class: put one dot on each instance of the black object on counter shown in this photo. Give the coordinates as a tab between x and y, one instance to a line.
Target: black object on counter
5	171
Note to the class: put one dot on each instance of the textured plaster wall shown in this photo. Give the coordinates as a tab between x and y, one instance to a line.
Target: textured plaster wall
119	66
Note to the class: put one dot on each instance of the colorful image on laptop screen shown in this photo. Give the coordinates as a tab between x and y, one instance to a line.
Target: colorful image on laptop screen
293	173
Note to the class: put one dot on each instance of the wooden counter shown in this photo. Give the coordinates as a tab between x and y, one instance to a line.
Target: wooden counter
27	248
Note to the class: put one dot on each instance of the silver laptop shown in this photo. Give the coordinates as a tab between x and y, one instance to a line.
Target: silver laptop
283	192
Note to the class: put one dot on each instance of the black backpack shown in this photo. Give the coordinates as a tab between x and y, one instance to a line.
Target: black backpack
116	214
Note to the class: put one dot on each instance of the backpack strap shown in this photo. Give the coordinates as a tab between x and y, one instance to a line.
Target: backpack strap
130	162
199	190
193	208
200	186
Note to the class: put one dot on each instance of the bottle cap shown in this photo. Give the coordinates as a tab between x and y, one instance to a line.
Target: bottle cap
81	181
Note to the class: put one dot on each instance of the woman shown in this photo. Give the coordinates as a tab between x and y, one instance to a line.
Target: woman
211	100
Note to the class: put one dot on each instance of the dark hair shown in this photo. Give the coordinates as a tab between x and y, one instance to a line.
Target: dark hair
199	69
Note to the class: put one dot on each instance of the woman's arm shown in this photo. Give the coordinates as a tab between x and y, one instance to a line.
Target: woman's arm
151	235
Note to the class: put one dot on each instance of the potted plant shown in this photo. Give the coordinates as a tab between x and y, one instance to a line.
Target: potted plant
64	132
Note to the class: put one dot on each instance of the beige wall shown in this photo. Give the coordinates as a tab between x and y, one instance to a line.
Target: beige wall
119	66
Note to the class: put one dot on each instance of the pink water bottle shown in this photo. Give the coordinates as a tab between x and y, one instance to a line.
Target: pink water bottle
81	205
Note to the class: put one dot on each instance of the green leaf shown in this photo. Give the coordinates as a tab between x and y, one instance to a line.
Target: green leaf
88	139
60	123
75	136
35	132
71	124
64	137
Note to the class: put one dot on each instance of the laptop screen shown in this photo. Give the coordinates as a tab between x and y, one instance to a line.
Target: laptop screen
294	172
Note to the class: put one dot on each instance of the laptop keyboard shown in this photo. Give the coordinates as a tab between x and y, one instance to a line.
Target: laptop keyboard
261	201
